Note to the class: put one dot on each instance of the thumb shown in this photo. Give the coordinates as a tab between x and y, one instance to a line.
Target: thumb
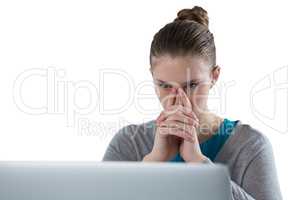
177	98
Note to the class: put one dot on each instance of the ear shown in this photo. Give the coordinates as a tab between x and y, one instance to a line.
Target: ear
214	74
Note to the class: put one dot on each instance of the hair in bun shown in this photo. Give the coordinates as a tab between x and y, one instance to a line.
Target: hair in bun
197	14
187	34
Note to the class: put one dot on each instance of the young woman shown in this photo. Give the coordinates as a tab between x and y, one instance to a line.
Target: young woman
183	67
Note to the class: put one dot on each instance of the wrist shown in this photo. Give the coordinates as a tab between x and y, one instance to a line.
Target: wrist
200	158
203	159
152	157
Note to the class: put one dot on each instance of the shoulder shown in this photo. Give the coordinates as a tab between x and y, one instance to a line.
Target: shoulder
246	142
249	135
250	159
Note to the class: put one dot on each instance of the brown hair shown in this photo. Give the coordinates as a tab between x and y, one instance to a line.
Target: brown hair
188	34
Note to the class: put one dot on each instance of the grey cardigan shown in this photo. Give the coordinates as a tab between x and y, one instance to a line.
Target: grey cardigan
247	153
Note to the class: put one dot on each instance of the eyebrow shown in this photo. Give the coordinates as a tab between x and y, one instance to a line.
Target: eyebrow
193	80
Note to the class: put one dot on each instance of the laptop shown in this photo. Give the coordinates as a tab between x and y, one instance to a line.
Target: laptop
113	181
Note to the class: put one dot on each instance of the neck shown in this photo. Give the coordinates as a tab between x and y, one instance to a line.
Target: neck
208	126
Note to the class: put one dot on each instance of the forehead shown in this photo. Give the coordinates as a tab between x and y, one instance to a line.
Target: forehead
180	69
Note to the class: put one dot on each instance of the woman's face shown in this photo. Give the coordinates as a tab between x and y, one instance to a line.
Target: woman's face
190	73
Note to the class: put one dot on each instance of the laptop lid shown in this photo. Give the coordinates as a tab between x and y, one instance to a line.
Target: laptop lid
112	181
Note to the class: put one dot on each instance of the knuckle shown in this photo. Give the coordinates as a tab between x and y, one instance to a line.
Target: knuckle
171	117
181	107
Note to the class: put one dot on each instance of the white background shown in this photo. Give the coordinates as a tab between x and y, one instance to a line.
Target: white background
55	105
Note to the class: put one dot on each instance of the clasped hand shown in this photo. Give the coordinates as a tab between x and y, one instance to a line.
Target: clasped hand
177	131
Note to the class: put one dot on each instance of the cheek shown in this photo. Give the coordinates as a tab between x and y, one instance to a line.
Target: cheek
199	97
162	95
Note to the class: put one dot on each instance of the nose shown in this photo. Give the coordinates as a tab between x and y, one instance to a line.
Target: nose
185	90
176	90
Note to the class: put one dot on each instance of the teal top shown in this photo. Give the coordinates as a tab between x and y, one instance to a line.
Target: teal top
212	146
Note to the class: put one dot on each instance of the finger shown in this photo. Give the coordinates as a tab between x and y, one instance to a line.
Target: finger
184	98
180	98
169	111
177	99
176	132
178	103
175	124
159	118
185	110
176	109
182	118
194	116
170	101
171	97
